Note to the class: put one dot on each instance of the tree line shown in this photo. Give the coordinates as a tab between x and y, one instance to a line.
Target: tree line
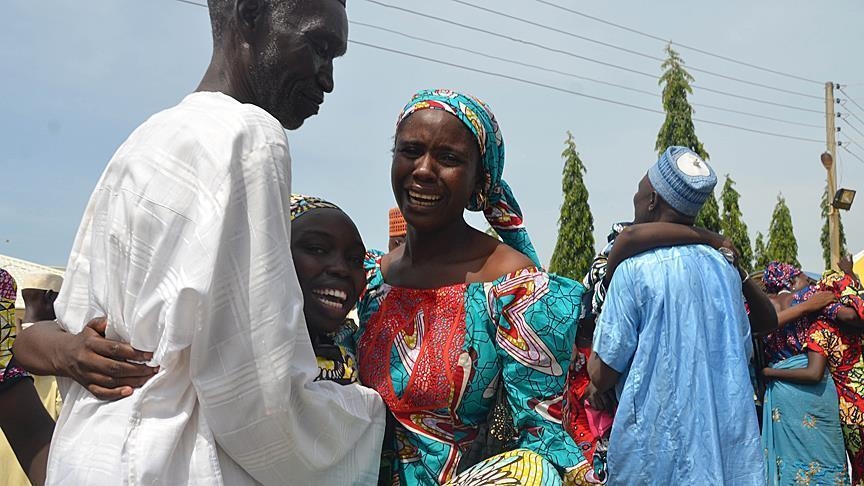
574	249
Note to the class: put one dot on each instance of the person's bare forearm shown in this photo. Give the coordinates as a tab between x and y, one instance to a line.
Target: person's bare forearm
763	317
28	428
37	348
640	238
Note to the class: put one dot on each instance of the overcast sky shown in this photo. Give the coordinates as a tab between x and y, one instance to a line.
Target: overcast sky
78	77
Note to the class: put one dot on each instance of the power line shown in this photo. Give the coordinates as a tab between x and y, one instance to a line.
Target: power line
557	88
572	92
853	154
500	58
757	100
630	51
853	127
685	46
850	99
571	54
572	75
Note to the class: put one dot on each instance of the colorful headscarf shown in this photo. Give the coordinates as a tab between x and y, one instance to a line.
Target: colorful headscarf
300	204
779	276
496	199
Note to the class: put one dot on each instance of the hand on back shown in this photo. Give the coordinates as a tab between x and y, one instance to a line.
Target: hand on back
104	367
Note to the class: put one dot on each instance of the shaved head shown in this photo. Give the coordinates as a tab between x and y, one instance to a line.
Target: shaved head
278	54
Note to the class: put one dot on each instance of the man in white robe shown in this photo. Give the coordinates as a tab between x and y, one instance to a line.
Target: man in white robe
184	246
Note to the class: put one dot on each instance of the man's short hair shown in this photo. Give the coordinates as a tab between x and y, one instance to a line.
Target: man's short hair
220	12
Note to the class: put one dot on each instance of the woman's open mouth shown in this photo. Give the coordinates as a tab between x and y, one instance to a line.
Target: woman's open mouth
423	200
331	298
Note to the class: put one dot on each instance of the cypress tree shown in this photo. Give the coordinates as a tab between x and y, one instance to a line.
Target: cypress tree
782	245
678	126
709	216
760	255
732	224
574	249
825	237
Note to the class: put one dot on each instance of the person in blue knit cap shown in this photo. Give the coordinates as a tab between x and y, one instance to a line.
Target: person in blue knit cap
673	341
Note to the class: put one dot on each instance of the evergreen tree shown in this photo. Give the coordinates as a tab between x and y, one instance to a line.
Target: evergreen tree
678	126
574	249
782	245
760	254
733	226
825	237
709	216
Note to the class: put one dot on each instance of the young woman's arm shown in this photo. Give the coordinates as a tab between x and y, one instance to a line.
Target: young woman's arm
27	426
640	238
816	363
763	316
98	364
814	304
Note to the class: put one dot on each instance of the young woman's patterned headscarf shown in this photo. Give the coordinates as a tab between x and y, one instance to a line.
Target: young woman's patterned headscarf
495	199
779	276
300	204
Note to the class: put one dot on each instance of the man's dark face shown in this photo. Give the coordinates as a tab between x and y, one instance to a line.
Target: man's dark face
292	57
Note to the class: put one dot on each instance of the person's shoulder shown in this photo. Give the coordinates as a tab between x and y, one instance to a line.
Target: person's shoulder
503	261
217	123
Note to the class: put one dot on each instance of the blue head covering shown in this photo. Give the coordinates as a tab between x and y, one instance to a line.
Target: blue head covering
683	179
496	200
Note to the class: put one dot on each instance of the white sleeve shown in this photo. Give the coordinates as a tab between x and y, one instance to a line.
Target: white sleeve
252	361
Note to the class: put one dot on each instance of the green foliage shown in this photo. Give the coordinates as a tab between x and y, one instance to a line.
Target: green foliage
782	245
760	254
574	249
678	127
733	225
709	216
825	237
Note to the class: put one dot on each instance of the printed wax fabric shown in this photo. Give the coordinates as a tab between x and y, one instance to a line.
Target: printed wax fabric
9	372
437	357
801	433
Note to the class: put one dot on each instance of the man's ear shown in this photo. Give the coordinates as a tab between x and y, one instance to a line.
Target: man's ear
249	14
652	204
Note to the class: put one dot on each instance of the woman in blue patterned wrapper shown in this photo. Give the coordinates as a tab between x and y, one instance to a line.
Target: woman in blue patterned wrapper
801	431
464	336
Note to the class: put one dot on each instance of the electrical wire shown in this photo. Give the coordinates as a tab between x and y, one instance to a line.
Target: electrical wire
853	154
568	74
685	46
571	54
852	100
552	87
853	127
572	92
630	51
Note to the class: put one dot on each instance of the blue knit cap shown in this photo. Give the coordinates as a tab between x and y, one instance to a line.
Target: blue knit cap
682	179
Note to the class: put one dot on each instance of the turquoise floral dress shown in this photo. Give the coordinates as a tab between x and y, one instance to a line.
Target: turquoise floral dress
438	357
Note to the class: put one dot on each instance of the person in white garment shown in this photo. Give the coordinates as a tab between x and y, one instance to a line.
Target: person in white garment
184	247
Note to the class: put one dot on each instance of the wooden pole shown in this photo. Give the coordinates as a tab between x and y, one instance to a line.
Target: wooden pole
830	164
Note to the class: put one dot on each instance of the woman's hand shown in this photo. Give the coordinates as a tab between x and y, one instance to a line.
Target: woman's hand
818	301
598	400
103	366
845	264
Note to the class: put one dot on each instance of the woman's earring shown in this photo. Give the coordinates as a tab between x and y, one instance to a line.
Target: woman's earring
481	198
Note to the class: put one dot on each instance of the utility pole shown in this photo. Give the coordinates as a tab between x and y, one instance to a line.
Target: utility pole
829	160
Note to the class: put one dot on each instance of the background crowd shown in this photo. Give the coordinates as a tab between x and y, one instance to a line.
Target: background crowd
215	328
